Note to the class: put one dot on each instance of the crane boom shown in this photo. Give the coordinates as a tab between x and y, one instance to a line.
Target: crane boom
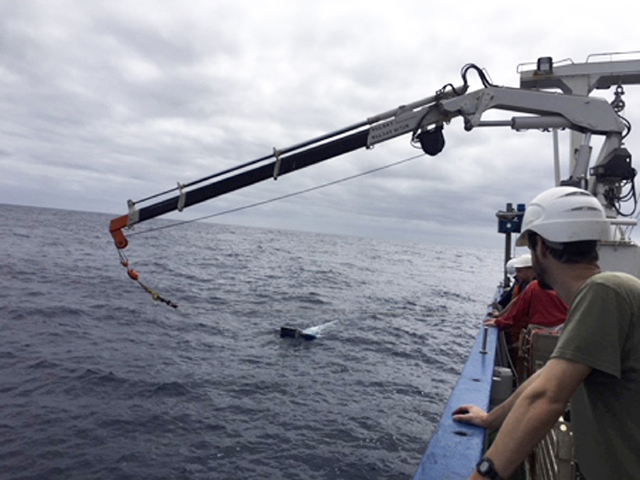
424	119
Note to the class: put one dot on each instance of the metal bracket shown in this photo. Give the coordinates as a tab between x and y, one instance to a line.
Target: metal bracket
482	103
134	214
182	197
276	168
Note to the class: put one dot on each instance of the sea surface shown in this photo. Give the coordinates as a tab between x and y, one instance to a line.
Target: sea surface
99	381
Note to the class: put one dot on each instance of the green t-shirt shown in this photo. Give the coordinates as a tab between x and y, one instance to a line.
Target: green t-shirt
603	331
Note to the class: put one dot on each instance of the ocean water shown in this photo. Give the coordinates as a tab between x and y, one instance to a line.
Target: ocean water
99	381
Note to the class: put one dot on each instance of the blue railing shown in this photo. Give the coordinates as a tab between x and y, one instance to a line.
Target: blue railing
455	448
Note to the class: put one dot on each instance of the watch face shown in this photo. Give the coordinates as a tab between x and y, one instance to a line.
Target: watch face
484	466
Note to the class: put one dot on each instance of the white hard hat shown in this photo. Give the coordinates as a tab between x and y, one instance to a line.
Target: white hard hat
510	267
564	214
523	261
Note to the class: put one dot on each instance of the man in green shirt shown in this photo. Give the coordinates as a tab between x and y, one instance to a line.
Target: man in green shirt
596	364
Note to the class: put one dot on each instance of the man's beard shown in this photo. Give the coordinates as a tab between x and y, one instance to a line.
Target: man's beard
541	273
541	276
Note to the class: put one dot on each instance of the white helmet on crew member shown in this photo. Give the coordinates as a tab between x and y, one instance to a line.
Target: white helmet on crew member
510	267
564	214
523	261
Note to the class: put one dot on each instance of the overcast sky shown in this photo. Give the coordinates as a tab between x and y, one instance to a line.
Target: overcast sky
103	101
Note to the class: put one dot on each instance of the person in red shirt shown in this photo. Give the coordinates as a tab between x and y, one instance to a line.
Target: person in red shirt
534	306
524	274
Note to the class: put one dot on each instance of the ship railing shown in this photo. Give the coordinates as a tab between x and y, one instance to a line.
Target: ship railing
455	448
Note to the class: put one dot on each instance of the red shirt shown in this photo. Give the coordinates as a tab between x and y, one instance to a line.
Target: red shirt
533	306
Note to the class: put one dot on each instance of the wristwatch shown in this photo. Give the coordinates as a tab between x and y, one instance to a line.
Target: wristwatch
487	469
